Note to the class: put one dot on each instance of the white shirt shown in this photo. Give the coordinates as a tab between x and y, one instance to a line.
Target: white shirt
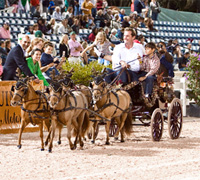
121	53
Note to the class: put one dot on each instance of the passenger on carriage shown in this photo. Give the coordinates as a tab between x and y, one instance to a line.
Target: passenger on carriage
149	67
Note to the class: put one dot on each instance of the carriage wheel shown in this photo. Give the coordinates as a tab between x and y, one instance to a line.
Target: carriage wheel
175	119
157	125
89	135
113	128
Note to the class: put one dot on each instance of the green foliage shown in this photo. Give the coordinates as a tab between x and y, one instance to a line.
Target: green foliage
83	73
193	76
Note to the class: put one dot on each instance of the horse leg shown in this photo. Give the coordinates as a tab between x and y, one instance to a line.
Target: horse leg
48	125
107	127
41	136
79	131
69	134
117	120
120	126
53	128
59	136
23	125
93	131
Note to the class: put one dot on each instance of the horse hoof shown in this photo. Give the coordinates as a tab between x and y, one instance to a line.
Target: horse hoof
46	143
19	146
122	141
59	142
73	148
42	149
107	143
116	138
92	142
50	151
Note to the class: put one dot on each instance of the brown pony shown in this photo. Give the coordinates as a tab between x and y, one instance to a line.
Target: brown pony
112	104
69	108
34	108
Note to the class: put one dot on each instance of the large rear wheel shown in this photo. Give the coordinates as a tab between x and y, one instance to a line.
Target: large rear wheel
157	125
175	119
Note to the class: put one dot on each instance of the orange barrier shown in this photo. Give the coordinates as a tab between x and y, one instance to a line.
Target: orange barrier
10	117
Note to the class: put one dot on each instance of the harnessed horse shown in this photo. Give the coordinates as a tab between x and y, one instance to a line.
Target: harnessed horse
34	109
112	104
69	108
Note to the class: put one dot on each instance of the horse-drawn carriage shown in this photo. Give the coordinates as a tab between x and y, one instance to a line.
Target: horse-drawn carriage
74	106
162	106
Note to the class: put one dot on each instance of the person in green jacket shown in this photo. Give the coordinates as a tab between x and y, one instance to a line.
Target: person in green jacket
33	64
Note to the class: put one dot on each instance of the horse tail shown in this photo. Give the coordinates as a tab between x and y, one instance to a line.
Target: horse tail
86	124
128	124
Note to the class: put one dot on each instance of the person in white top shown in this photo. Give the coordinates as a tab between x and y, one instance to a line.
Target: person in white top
124	55
57	14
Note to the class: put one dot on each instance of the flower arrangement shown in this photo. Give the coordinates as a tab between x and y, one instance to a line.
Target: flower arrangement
193	76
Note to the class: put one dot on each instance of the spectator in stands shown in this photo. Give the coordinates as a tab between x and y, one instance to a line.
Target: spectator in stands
36	43
3	53
94	9
87	7
99	5
80	2
155	9
76	7
188	48
48	62
91	21
182	62
41	25
99	19
115	23
102	44
64	28
112	36
166	60
122	14
33	5
93	34
50	27
149	24
8	46
141	39
75	26
57	14
36	12
132	6
3	4
34	66
5	31
108	15
84	22
138	6
75	49
68	14
1	68
64	47
125	22
45	4
35	27
30	30
15	59
51	7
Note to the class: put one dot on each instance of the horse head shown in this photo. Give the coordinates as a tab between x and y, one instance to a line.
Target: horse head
20	91
55	93
98	85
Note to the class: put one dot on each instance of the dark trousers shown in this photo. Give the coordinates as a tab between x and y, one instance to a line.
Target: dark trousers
149	81
168	66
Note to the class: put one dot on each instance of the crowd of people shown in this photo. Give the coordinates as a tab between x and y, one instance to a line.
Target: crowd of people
109	26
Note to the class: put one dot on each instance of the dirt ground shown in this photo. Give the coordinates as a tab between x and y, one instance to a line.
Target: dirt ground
137	158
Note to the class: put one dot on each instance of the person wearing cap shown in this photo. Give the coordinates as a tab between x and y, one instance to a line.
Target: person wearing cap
16	59
5	31
38	34
75	49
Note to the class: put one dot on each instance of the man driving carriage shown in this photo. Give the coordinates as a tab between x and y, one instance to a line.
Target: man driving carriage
129	55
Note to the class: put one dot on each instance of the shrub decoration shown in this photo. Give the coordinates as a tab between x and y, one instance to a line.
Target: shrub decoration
193	76
83	73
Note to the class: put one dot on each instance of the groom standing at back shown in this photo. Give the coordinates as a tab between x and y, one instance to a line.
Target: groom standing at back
16	59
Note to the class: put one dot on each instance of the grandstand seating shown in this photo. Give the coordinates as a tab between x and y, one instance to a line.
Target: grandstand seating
166	30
